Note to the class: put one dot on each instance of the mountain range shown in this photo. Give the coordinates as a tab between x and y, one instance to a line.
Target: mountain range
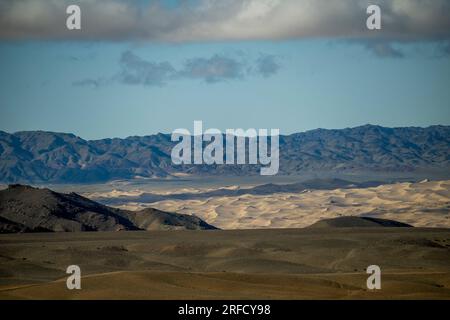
27	209
39	156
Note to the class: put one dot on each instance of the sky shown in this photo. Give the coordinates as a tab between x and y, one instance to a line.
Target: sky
143	67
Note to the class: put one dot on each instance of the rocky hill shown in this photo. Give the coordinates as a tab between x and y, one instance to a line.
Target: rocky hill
28	209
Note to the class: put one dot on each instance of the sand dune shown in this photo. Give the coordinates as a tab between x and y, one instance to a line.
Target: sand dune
424	204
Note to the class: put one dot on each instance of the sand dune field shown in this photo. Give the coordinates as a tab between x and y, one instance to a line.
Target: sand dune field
422	204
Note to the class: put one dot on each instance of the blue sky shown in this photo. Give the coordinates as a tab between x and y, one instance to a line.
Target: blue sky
98	88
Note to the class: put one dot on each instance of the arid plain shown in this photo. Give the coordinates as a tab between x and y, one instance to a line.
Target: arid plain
316	263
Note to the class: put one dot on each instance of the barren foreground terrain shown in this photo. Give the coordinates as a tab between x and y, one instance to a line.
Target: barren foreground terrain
310	263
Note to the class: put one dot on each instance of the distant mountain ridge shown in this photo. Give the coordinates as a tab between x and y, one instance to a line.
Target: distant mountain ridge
38	156
27	209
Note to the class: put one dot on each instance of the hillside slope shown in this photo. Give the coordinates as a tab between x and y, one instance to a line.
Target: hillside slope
28	209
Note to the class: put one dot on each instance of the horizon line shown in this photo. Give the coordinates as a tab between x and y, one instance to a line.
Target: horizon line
168	134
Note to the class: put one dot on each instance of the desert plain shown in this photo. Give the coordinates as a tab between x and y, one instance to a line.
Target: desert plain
316	263
265	250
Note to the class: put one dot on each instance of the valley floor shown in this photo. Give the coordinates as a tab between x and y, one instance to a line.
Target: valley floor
323	263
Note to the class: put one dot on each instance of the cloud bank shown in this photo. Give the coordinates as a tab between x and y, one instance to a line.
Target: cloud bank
218	20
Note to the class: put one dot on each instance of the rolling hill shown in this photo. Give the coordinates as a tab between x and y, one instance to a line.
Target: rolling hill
358	222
